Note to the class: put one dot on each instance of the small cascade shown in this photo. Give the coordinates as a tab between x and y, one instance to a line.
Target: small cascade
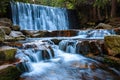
68	46
95	34
39	17
34	52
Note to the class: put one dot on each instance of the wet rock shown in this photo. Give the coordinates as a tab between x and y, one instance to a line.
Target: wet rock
15	28
83	47
17	35
65	33
7	53
9	73
35	34
112	43
51	51
27	33
24	67
14	44
2	35
26	46
92	66
60	33
112	61
40	34
7	30
56	41
95	48
103	26
9	38
45	55
117	30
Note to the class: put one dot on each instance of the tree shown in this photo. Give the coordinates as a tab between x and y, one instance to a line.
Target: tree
113	8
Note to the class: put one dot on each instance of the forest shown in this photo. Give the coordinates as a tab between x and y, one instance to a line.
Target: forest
86	9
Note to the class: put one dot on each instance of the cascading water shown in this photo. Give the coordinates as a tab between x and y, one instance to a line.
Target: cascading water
39	17
95	34
43	60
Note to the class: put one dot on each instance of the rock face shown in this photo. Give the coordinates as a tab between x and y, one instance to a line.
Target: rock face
113	45
7	53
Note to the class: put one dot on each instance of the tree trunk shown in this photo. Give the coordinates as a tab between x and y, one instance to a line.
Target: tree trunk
113	8
106	12
94	13
99	14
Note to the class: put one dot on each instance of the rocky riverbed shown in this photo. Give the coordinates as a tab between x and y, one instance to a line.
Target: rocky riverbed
12	38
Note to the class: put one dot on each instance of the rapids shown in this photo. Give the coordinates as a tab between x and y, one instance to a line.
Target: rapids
43	60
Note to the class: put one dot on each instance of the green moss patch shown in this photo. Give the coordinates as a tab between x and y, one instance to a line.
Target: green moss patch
9	73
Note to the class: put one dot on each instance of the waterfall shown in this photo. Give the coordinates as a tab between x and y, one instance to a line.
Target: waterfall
39	17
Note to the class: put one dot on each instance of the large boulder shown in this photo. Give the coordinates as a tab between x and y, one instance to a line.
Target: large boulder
103	26
83	47
7	53
93	47
112	43
2	35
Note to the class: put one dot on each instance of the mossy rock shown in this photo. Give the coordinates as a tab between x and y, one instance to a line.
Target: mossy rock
9	38
2	35
9	73
7	30
112	42
112	61
7	53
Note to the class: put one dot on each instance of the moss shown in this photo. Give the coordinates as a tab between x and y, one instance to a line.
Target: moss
113	43
2	56
112	63
10	54
9	73
7	54
2	35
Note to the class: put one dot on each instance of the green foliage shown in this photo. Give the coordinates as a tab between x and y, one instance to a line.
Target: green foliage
100	3
3	5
